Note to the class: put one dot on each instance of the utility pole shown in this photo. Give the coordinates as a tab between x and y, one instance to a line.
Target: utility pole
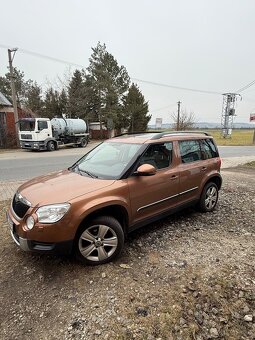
14	100
178	115
228	113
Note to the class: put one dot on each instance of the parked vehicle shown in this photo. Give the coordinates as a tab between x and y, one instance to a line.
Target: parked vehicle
46	134
120	185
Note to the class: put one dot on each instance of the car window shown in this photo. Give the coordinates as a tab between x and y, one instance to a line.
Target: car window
158	155
190	151
42	124
208	149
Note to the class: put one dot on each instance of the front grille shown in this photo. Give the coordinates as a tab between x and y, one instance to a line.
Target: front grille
20	208
27	136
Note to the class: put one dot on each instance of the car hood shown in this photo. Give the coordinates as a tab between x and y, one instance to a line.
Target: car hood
61	186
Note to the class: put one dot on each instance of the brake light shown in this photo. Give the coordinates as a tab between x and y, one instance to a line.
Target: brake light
219	161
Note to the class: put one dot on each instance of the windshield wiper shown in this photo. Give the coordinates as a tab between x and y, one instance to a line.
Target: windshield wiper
86	172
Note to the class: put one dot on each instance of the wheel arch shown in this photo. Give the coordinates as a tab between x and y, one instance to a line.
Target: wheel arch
216	179
51	140
114	210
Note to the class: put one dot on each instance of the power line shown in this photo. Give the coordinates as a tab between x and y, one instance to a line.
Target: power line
35	54
162	108
176	87
246	86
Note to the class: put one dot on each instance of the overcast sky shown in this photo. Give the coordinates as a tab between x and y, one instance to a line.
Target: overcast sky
200	44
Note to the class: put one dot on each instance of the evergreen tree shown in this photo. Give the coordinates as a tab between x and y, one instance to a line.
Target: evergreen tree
76	96
51	104
63	102
108	83
22	86
136	110
33	100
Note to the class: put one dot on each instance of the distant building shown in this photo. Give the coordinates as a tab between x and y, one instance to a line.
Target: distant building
94	131
7	122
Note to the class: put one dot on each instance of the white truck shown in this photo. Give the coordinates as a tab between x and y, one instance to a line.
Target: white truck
46	134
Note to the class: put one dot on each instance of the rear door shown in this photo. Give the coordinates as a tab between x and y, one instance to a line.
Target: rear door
191	169
152	195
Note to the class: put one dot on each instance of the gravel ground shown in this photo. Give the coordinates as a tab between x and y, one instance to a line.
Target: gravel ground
190	276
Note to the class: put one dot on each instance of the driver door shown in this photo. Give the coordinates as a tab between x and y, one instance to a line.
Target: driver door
43	131
152	195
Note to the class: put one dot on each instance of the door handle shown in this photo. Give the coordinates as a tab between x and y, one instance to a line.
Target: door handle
173	177
203	168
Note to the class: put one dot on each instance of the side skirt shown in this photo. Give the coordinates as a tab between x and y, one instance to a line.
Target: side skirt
162	215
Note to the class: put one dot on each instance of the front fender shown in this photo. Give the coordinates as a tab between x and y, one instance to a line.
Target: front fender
92	206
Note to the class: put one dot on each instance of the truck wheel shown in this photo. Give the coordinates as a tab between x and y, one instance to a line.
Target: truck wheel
99	241
83	143
50	146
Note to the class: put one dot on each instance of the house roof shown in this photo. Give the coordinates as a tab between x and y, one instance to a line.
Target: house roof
4	101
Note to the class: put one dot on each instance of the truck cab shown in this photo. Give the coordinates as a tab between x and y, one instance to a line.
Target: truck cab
35	133
46	134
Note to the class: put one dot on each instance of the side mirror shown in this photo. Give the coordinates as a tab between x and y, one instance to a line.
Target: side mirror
146	170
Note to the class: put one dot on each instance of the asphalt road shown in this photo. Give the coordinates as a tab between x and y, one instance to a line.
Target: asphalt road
22	164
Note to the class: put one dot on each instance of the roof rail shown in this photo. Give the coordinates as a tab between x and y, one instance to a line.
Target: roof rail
158	135
166	133
136	133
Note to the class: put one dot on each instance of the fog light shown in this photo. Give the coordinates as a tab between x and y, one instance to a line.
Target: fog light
30	223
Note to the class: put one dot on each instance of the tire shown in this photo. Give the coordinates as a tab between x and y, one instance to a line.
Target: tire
91	248
83	143
51	146
209	197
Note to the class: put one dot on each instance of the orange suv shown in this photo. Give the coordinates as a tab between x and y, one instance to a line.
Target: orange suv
122	184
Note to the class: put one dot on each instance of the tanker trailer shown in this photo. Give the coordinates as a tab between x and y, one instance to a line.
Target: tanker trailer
70	130
46	134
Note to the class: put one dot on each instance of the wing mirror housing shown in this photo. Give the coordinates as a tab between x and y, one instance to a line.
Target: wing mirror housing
146	170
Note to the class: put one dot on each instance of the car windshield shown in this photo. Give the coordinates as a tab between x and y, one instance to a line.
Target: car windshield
108	160
26	125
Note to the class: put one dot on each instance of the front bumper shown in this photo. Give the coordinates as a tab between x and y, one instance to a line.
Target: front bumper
64	247
31	145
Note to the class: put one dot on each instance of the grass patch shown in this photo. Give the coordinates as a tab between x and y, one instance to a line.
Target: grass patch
239	137
250	164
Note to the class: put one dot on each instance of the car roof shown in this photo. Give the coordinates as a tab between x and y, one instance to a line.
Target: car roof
155	137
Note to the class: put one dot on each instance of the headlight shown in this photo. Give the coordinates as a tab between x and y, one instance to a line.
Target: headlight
52	213
30	222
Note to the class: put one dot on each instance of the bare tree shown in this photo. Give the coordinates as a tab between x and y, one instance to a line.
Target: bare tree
186	120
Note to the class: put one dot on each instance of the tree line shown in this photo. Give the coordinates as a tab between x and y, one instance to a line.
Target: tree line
101	92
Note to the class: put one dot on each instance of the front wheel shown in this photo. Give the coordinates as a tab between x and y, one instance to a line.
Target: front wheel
50	146
209	197
100	241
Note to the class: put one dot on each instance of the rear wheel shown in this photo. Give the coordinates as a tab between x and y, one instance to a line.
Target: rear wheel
51	146
100	241
83	143
209	197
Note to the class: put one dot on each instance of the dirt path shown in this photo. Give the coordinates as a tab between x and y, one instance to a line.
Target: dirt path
190	276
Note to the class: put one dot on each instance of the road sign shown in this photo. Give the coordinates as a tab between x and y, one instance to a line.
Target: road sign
159	123
252	117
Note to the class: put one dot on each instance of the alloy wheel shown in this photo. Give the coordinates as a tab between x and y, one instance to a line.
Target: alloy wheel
98	242
211	197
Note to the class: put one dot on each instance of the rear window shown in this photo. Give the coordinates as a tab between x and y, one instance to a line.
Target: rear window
190	151
209	149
